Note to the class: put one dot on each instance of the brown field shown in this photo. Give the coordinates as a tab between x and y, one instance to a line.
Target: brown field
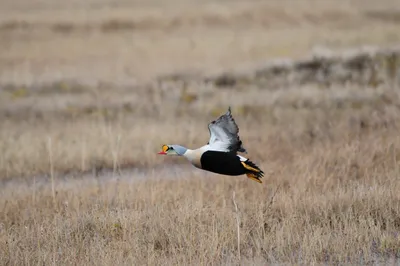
83	115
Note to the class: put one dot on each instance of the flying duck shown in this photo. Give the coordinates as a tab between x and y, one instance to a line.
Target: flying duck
219	155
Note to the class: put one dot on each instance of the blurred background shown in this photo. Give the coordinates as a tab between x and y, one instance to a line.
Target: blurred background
90	91
86	72
129	42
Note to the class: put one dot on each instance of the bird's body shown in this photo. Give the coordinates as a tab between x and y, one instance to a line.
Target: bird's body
219	155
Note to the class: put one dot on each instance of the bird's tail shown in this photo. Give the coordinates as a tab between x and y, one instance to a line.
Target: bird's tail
253	171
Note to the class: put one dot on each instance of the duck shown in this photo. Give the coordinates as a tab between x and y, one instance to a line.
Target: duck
220	154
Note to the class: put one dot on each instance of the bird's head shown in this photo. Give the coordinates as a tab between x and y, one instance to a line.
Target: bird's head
172	150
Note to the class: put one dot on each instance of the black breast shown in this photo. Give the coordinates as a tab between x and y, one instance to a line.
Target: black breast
222	163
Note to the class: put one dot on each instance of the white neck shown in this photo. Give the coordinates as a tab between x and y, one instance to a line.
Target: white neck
189	154
194	156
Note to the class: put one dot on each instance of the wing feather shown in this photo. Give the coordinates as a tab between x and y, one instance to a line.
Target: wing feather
224	134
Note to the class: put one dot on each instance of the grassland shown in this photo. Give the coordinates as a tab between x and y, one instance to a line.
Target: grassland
83	116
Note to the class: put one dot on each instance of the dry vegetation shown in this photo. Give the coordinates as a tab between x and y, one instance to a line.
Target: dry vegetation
132	41
80	179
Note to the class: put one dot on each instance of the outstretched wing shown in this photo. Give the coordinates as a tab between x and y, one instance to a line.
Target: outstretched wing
224	134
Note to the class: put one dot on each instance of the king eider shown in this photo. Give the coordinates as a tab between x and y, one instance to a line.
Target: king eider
220	154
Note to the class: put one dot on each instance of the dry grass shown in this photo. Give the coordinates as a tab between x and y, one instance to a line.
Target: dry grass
330	194
80	181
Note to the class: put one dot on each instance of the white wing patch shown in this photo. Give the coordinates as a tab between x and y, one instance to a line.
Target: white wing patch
224	134
219	140
242	159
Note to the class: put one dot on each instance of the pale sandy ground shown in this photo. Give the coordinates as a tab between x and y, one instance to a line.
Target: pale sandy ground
131	41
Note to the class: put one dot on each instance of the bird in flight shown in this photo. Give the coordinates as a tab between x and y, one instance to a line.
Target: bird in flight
219	155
